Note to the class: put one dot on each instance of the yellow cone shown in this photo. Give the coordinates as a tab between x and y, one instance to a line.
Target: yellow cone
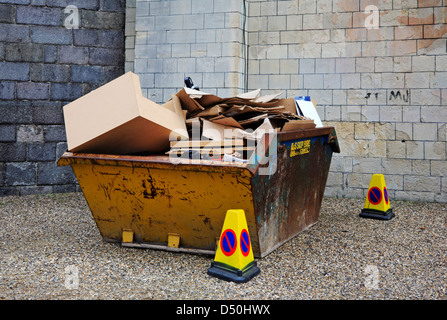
234	260
377	203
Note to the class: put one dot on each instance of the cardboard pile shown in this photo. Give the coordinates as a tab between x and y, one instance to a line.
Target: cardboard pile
117	119
246	111
245	117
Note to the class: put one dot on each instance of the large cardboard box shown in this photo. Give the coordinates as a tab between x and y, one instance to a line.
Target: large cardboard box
117	119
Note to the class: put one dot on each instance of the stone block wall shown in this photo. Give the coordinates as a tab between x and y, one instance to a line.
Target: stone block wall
203	39
378	70
47	61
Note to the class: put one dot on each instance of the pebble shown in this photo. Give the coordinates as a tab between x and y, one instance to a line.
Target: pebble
50	249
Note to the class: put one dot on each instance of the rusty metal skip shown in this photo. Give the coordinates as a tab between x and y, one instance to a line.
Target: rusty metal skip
149	202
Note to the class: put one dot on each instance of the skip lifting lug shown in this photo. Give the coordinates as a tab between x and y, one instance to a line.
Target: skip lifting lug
332	138
333	141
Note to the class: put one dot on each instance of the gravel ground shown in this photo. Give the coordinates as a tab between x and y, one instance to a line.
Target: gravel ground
342	257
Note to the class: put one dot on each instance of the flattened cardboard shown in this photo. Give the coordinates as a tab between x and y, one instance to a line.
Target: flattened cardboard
212	150
216	131
175	106
264	128
253	120
188	103
193	93
207	101
117	119
268	98
298	125
288	104
201	99
212	112
239	110
207	143
227	121
250	95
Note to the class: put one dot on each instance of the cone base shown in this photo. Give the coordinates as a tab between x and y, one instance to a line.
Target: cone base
375	214
228	273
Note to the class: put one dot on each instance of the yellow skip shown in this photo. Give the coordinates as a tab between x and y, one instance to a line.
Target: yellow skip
377	203
234	260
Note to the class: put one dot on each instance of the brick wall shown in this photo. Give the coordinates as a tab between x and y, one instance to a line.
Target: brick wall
383	86
43	66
